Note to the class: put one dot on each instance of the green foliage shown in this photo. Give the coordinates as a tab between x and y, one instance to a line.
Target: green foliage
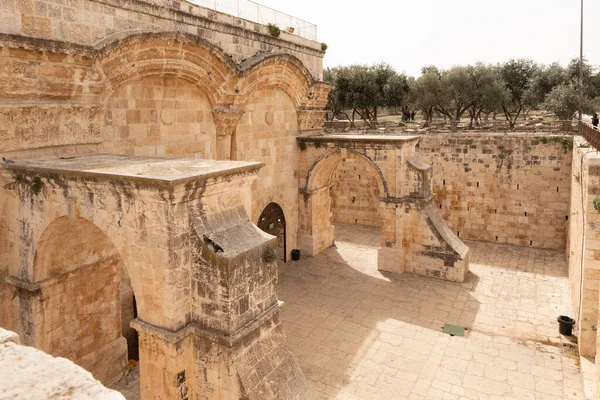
566	99
542	83
458	93
324	47
274	30
517	76
597	203
269	255
566	141
36	186
513	88
318	144
302	145
584	145
363	89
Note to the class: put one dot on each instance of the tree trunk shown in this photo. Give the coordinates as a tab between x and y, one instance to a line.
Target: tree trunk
453	125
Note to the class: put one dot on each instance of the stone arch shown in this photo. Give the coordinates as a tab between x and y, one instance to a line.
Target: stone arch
272	220
77	270
160	116
321	172
125	58
283	71
317	230
66	243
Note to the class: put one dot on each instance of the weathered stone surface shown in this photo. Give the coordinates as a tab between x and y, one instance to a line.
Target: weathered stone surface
28	373
195	262
509	188
414	237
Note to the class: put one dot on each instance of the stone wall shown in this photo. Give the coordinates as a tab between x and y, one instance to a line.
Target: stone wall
583	249
159	117
510	188
92	22
76	291
104	84
267	132
355	194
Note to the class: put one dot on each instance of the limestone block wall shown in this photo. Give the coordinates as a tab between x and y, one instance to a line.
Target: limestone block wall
82	319
506	188
159	116
89	22
583	250
72	307
355	194
267	132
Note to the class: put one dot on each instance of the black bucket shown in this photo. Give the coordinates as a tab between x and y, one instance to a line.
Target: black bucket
295	254
565	325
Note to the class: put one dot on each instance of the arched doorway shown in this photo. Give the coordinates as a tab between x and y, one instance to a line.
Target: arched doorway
79	271
272	221
357	203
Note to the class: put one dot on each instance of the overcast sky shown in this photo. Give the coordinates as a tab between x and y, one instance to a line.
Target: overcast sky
413	34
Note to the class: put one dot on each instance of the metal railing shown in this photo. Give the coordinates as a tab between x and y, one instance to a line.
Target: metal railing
255	12
591	135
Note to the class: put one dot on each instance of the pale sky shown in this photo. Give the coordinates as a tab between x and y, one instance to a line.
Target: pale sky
412	34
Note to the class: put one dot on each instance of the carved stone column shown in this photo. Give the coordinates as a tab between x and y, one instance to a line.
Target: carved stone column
226	120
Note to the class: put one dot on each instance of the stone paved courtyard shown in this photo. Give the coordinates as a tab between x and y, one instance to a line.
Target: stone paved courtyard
360	334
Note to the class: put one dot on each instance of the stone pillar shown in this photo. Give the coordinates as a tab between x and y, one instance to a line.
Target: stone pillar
317	233
424	244
226	120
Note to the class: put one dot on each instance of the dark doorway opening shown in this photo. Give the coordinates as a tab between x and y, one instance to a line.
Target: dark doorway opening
272	221
133	348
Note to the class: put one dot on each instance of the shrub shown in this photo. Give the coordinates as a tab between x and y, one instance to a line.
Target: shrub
274	30
269	255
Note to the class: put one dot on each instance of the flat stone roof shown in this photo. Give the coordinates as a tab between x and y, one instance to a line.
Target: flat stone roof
148	170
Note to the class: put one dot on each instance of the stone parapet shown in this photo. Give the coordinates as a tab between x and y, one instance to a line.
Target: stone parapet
28	373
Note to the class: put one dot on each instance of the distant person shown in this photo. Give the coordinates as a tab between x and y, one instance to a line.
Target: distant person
595	121
412	115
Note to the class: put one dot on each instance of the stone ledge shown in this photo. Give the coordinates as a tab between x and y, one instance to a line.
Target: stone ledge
150	171
360	139
174	337
33	287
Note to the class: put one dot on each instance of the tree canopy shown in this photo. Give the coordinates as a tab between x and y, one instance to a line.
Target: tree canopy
512	88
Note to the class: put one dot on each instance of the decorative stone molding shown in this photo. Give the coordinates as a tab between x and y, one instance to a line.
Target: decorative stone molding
226	120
